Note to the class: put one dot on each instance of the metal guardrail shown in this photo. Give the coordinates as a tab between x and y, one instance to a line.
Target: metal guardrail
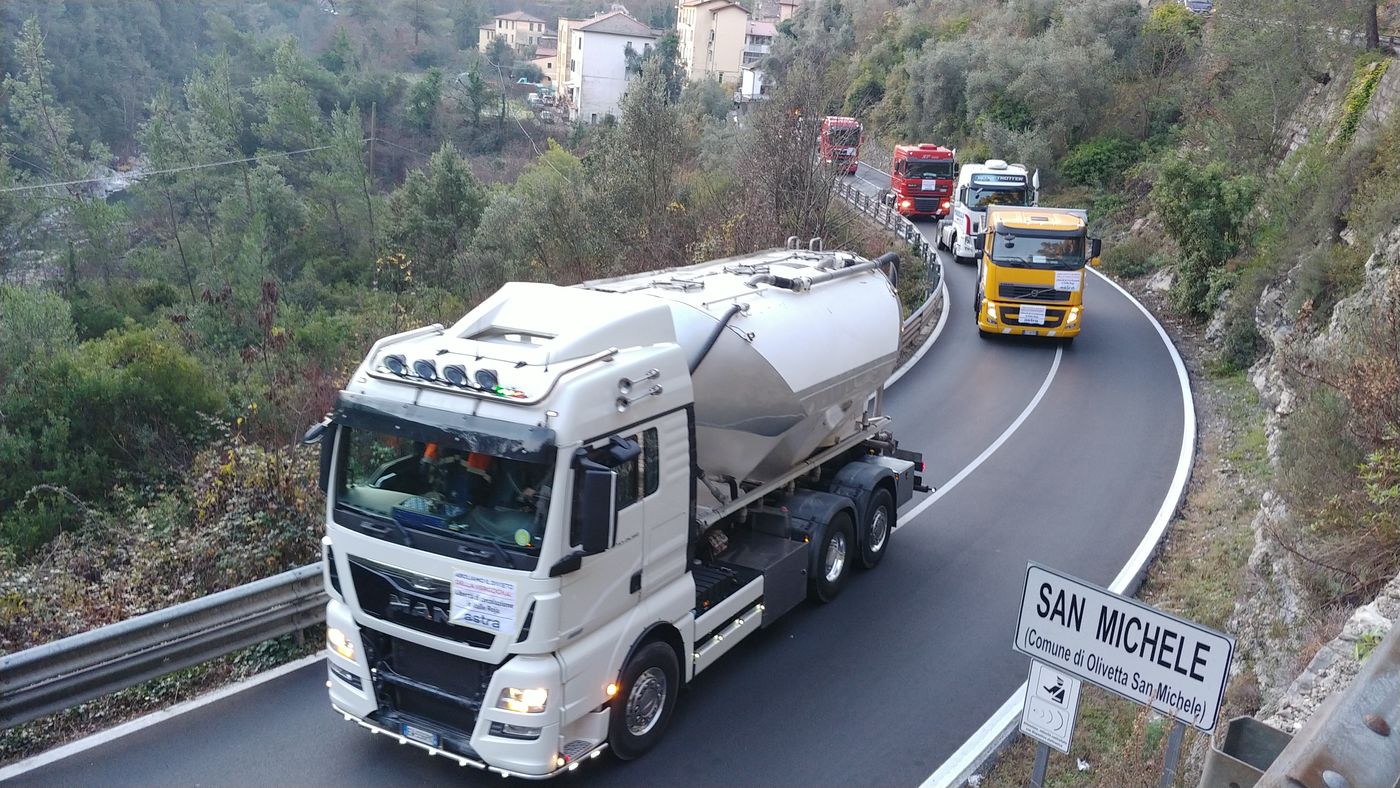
882	213
58	675
64	673
1351	741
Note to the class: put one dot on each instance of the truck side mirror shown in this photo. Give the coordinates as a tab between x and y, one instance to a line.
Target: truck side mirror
324	433
1095	247
594	512
979	243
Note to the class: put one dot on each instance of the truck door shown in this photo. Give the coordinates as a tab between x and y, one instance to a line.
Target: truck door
603	588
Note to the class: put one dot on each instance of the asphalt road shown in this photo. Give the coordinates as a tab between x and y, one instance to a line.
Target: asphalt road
878	688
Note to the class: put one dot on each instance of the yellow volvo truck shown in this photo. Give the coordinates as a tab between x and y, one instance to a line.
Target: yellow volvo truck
1031	271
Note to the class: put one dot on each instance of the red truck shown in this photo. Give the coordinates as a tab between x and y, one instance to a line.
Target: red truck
840	142
921	180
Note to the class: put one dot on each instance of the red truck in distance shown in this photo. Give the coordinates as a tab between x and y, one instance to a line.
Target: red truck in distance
840	142
921	180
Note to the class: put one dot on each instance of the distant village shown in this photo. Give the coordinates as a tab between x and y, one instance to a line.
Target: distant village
585	61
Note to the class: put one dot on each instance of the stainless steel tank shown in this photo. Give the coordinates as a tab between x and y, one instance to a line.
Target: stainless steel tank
814	335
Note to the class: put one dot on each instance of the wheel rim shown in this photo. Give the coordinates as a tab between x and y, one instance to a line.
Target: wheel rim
835	557
879	529
645	701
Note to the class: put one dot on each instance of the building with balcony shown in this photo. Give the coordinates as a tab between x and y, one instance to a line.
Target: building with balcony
759	41
712	36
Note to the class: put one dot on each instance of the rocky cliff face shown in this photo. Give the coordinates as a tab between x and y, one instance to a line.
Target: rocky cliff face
1274	601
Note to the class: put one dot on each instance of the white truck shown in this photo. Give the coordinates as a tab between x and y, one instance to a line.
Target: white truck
545	519
993	182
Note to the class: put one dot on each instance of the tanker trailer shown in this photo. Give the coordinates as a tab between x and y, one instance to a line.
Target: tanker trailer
545	519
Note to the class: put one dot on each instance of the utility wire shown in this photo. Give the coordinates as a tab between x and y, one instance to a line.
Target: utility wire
173	170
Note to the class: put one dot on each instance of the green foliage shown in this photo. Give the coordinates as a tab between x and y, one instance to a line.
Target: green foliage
434	214
423	100
865	91
1204	209
1363	85
103	411
1100	162
1132	257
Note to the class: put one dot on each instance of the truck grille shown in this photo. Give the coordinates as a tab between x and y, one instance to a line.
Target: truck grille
1032	292
410	600
926	204
442	689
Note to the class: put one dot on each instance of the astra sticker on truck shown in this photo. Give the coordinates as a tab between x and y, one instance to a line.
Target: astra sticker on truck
482	602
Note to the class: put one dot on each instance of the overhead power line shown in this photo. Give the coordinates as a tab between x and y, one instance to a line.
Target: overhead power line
172	170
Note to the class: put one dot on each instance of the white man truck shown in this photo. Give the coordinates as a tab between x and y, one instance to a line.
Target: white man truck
545	519
993	182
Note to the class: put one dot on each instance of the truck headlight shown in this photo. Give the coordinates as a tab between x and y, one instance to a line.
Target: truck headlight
1073	316
991	313
525	701
337	641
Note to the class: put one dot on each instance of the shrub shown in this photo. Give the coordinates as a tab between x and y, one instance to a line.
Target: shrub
126	406
1100	161
1132	257
1204	209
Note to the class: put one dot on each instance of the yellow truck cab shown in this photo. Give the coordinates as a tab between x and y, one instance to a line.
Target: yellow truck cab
1030	271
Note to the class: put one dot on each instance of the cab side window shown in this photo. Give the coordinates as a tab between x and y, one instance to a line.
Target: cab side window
641	476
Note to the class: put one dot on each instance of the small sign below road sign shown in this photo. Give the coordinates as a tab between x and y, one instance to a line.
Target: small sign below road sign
1052	703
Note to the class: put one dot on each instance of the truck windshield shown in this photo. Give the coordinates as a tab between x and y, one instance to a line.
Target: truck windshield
979	197
434	495
843	137
914	168
1029	251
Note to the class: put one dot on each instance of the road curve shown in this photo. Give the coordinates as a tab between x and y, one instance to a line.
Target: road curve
878	688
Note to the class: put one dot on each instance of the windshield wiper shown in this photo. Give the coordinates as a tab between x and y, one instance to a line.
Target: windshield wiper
505	559
404	538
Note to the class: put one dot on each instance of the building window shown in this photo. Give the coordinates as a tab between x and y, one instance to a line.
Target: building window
593	117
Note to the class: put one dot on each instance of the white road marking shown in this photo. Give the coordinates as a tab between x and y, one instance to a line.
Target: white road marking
987	739
154	718
990	450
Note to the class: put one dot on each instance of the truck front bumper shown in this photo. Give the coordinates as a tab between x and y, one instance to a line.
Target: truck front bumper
479	740
1004	317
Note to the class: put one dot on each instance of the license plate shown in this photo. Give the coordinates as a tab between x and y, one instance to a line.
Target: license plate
419	735
1032	315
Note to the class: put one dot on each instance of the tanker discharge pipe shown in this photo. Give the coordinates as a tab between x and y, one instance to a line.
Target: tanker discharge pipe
714	336
887	263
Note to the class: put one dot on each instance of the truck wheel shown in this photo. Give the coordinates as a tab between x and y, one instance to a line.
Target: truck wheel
834	560
879	524
643	707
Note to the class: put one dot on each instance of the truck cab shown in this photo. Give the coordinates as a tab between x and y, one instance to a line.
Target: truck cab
993	182
1031	271
921	180
840	142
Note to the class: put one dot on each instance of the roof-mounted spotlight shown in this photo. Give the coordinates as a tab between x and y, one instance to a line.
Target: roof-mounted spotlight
425	369
486	378
396	364
456	374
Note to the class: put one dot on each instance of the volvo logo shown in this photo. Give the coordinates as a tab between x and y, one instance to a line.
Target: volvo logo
415	608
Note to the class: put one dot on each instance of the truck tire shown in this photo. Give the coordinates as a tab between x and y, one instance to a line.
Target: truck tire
834	560
645	701
879	525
